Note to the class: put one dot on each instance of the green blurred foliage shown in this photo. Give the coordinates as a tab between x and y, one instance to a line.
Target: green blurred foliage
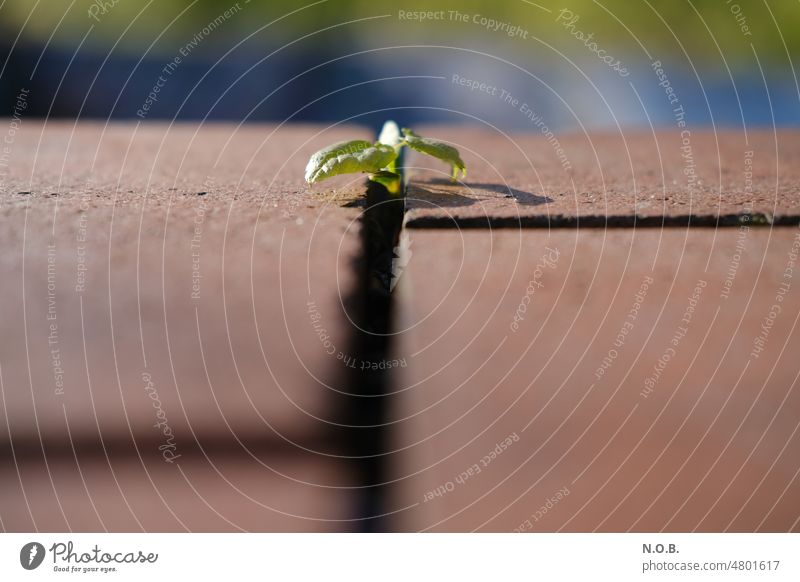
706	30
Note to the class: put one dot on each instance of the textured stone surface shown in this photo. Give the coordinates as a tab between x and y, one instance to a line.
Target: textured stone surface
609	176
709	443
247	375
155	283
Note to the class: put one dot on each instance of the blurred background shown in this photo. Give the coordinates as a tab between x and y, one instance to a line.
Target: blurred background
728	62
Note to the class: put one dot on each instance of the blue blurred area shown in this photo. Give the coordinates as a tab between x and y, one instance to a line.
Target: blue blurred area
413	85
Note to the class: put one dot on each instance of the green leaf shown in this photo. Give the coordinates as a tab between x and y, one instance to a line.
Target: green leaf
437	149
348	157
390	135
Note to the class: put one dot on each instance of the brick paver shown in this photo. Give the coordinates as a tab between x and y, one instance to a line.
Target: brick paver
155	290
629	369
609	178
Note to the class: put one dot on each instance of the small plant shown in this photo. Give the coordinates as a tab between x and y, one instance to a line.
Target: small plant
379	159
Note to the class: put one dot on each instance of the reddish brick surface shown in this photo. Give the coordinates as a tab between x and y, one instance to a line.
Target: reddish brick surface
218	491
239	367
713	446
246	384
634	173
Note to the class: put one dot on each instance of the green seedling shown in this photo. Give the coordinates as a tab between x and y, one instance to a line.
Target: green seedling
379	159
